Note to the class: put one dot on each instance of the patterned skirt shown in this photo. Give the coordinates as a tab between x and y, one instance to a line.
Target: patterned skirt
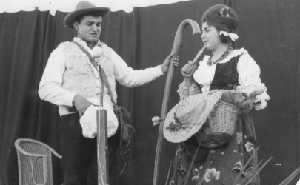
233	161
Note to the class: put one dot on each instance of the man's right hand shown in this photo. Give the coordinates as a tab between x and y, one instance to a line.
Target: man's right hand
80	103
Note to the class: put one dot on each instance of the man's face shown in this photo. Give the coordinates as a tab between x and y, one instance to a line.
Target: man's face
89	28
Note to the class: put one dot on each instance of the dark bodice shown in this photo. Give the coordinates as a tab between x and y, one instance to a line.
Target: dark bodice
226	75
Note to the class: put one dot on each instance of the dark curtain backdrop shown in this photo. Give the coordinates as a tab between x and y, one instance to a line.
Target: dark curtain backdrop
269	30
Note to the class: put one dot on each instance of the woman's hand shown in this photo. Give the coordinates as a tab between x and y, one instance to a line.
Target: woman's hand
188	69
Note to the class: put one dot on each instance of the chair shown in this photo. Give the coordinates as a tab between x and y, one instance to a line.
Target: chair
34	162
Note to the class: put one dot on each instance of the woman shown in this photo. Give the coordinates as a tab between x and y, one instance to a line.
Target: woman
228	154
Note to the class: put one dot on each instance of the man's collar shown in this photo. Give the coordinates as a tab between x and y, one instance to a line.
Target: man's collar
97	50
84	43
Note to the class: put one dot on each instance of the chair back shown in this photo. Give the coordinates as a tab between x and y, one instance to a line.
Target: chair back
34	162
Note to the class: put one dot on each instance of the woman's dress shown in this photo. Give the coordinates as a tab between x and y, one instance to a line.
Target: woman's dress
226	159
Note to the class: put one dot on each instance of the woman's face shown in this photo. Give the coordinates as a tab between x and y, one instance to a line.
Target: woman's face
210	36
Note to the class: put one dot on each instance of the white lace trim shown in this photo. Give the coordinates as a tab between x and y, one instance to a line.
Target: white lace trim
233	53
205	73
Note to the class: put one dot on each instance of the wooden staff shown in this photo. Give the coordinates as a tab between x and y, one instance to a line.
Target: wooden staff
102	148
174	52
291	177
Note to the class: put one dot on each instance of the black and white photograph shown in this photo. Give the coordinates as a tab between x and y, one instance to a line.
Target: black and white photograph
149	92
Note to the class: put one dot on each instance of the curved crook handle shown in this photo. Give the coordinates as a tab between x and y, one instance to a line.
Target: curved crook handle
177	43
179	34
176	46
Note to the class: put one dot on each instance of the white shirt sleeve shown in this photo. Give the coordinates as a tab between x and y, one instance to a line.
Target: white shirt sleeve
250	81
50	87
129	77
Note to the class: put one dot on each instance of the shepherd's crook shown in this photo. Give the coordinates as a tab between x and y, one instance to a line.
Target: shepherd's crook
174	52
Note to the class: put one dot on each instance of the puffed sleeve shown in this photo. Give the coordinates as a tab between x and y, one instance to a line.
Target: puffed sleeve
250	81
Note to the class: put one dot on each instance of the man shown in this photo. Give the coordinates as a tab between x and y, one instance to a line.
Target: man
71	81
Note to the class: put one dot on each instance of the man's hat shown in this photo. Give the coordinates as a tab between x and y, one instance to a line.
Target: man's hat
84	8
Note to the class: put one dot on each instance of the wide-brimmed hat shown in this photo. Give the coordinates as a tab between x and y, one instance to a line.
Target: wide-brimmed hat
188	116
84	8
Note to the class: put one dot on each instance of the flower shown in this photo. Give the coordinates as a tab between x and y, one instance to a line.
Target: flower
261	101
232	36
249	146
97	51
211	174
196	175
237	167
156	120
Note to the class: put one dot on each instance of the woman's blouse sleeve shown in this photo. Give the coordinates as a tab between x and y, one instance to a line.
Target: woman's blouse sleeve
250	81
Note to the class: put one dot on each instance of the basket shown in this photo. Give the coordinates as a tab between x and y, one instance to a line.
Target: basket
34	162
223	118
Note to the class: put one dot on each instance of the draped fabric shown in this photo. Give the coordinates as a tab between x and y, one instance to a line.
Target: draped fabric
13	6
273	40
144	38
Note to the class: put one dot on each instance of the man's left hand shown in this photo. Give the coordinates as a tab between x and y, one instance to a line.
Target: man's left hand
165	65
